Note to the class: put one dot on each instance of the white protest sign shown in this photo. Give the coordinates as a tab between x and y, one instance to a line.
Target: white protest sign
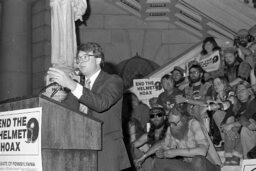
249	165
211	63
147	88
20	140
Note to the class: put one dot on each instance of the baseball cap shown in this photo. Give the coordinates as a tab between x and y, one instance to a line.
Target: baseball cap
193	63
156	110
177	68
229	50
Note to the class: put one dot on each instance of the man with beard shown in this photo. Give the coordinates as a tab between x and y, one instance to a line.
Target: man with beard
197	92
184	138
180	80
167	98
247	118
235	69
157	131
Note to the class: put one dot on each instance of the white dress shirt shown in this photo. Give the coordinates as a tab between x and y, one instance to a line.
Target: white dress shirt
78	92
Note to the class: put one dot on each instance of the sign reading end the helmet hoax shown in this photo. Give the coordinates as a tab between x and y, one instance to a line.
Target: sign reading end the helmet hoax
20	140
147	88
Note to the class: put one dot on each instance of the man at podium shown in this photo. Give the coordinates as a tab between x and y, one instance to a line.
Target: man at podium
101	97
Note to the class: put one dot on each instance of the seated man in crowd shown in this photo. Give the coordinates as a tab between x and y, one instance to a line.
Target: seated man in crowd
197	92
225	109
180	81
185	139
157	131
235	68
253	77
247	118
242	42
167	98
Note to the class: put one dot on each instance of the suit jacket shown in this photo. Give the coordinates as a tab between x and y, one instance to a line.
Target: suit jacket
104	101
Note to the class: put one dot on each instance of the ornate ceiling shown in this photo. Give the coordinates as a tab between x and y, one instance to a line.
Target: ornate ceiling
189	15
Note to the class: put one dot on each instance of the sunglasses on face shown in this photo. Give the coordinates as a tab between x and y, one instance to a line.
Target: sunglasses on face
156	115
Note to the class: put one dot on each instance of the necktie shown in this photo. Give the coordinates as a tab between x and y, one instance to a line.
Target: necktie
82	107
87	83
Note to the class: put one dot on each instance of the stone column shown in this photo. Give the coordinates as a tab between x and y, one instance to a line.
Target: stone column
15	49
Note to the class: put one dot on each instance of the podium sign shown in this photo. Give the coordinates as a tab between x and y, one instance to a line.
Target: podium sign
68	139
249	165
20	139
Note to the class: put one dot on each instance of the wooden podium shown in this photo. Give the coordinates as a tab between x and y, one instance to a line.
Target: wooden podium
70	139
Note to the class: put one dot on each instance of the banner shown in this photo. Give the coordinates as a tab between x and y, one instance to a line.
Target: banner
249	165
20	140
211	63
147	88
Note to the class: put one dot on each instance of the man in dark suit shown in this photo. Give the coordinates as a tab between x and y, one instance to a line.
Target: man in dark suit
101	99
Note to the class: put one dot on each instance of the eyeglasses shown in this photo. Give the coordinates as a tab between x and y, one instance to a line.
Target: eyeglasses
83	58
194	72
156	115
174	123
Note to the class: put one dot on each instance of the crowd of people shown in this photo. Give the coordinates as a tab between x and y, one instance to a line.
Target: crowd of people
181	128
200	112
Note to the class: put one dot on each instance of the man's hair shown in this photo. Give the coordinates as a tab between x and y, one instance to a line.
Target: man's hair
247	87
157	109
179	109
201	71
151	133
198	67
167	77
95	48
224	81
244	84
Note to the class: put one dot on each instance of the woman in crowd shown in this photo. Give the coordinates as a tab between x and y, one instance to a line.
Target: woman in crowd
225	107
210	46
246	120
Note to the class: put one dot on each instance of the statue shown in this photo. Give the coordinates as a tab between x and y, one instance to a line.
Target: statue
63	15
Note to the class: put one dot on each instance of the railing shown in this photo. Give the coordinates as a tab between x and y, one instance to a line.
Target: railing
181	59
182	14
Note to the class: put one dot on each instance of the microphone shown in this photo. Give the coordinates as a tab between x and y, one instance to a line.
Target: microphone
49	85
81	78
55	91
76	75
77	72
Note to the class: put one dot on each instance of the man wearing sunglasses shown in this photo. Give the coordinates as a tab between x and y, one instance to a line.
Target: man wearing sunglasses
103	98
185	138
158	127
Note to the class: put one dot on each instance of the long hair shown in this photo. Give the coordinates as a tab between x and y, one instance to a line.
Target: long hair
248	87
151	133
181	110
225	82
213	42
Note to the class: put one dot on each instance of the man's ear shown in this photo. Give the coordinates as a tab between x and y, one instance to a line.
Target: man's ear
98	61
201	74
